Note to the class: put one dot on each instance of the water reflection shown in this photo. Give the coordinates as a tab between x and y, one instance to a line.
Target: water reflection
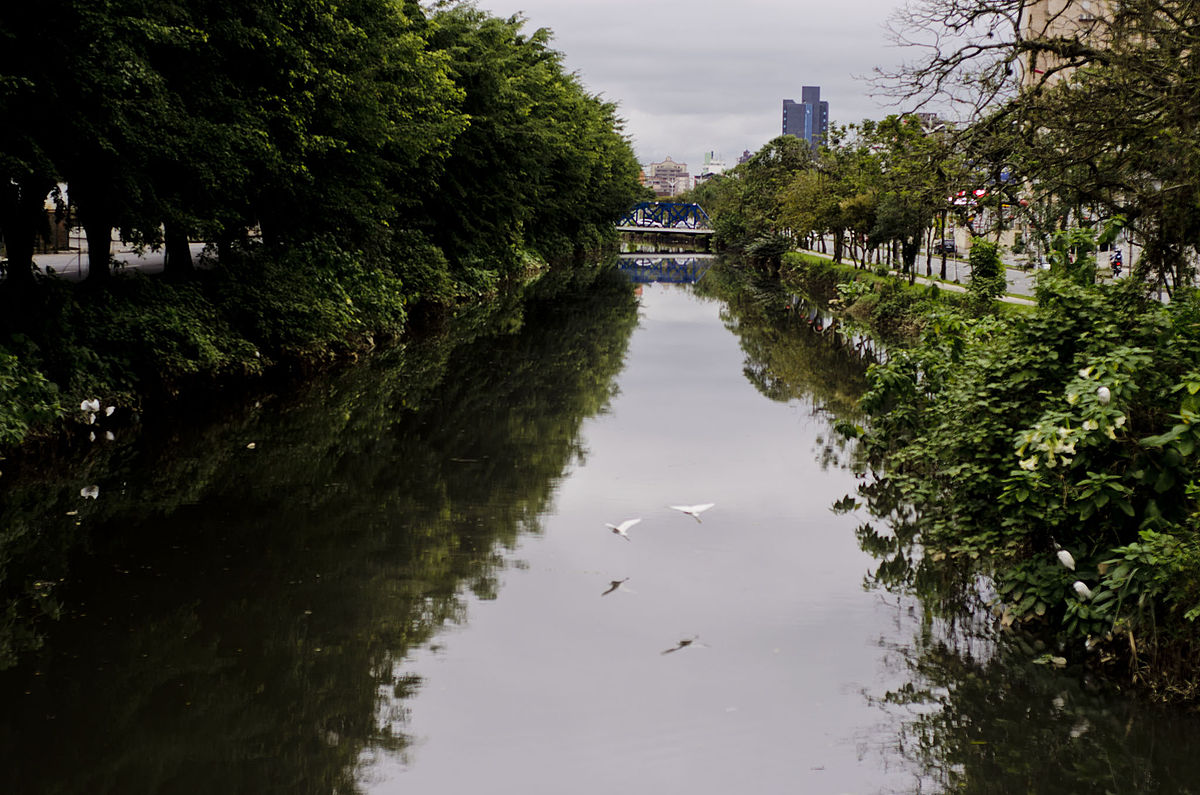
263	619
646	269
986	708
793	349
227	615
980	709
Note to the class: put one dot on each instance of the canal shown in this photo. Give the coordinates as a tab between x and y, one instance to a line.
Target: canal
400	579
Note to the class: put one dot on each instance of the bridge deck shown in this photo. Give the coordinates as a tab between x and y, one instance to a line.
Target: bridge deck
671	230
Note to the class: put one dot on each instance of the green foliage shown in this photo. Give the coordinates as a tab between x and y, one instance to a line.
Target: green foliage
849	292
988	281
1072	425
28	400
747	204
316	304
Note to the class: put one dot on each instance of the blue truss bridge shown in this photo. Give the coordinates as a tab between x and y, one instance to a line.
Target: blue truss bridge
666	218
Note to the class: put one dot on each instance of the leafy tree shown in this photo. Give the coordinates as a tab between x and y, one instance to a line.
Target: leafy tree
537	150
1097	109
988	280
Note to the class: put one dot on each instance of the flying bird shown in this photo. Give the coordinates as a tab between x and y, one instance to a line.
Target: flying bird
683	644
622	528
614	585
693	511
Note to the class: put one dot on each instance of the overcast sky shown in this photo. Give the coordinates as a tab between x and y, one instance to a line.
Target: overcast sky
690	77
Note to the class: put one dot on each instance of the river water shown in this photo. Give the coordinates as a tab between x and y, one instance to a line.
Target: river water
400	579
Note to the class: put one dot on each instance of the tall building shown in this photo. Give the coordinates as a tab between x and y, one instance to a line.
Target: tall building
668	178
1059	19
713	165
808	118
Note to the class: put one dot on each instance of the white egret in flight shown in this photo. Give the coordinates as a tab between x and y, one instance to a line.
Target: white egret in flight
693	511
622	528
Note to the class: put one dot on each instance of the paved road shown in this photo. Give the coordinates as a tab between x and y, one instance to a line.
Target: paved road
73	265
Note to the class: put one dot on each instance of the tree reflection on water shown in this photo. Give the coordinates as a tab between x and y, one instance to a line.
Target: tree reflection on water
232	613
985	708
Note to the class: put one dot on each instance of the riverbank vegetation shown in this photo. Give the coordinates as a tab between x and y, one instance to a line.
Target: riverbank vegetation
1055	449
357	516
349	165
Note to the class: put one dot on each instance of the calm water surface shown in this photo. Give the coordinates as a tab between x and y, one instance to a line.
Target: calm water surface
400	580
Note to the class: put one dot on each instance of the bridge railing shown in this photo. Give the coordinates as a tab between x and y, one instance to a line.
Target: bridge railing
666	215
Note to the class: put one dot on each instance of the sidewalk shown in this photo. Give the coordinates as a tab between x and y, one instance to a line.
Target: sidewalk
73	265
958	273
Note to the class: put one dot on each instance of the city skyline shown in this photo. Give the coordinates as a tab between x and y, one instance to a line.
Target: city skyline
715	84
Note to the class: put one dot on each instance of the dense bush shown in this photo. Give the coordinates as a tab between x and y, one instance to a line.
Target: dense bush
27	398
1071	428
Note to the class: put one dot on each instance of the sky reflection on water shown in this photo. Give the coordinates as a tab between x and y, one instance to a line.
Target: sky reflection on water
556	689
401	587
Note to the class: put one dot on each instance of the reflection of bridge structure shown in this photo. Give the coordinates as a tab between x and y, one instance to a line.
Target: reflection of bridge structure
673	270
666	217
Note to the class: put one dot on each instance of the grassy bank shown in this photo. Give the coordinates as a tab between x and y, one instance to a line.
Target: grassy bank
890	308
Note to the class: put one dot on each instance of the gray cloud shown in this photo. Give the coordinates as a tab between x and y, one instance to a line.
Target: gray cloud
690	77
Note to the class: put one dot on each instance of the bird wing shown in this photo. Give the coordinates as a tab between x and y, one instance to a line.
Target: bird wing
628	523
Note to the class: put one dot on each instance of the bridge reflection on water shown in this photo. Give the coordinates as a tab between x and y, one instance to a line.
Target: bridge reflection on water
681	269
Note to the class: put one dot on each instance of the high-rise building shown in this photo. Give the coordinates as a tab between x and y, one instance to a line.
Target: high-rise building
808	118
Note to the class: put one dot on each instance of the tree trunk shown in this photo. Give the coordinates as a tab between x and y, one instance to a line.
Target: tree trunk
929	253
177	260
99	242
18	248
942	240
910	247
21	218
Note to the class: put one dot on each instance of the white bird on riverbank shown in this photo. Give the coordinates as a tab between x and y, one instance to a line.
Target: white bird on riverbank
1084	592
623	528
1064	557
693	511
